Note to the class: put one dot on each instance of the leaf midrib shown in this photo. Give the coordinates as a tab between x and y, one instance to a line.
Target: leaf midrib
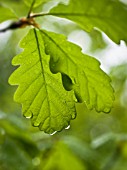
42	67
81	15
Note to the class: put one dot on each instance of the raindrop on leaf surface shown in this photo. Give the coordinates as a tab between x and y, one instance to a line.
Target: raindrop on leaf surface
53	133
68	127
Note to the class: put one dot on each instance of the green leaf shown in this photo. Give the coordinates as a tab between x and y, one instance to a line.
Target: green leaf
37	2
13	147
40	92
67	159
110	16
17	6
97	41
90	83
6	14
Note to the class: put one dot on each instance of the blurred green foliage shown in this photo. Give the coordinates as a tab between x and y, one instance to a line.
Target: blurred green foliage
94	141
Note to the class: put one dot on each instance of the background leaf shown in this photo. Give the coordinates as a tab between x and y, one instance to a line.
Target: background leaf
107	15
49	105
15	133
18	6
6	14
65	156
37	2
90	83
97	41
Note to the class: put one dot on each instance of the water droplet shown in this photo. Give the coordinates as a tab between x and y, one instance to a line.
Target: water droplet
28	117
53	133
67	127
36	123
73	116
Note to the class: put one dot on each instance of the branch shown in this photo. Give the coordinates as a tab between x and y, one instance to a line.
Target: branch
29	20
13	25
22	23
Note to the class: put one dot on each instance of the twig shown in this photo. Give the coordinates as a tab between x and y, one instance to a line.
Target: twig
34	15
29	20
28	16
22	23
13	25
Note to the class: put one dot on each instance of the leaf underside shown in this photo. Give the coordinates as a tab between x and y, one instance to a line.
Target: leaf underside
110	16
40	92
48	97
90	83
